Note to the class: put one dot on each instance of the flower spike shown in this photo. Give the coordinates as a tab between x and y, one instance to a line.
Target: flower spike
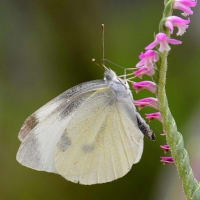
163	40
181	24
148	85
158	51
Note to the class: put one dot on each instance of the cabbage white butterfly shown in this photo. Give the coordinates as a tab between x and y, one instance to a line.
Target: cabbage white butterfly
89	134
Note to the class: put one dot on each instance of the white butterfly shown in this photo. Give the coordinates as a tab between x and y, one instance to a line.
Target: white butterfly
89	134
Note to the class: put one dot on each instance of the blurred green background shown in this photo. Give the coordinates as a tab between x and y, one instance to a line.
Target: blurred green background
47	47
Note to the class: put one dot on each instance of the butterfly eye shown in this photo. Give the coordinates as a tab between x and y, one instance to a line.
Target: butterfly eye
108	77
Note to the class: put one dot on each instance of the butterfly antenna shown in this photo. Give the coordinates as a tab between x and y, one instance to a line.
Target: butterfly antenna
103	44
103	56
96	63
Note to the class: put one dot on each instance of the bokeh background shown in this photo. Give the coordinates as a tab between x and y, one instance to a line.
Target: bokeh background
47	47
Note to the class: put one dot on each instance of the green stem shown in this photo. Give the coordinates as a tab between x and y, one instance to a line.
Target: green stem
174	138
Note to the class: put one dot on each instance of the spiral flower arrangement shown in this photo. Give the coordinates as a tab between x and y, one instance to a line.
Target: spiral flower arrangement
154	60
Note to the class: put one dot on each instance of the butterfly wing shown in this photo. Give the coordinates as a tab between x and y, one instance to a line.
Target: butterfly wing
57	104
101	141
42	130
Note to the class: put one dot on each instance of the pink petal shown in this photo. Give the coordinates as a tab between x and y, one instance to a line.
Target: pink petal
142	56
164	47
189	3
175	20
174	41
181	30
169	25
151	45
140	64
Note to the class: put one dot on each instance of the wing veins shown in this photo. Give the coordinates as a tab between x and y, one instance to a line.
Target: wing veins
114	169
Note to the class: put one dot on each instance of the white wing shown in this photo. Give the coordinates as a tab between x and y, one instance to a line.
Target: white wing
57	104
101	141
42	130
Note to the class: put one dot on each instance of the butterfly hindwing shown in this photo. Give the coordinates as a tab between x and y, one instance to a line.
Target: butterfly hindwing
101	142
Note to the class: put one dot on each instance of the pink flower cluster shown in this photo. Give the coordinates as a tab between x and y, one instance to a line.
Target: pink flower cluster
149	58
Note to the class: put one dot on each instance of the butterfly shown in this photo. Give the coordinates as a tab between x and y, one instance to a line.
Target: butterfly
89	134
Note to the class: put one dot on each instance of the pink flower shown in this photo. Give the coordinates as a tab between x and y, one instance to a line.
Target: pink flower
153	116
149	85
165	147
163	41
169	160
181	24
185	6
147	58
145	70
147	102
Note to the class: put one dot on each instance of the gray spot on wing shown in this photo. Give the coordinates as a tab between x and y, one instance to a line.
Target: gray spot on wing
64	142
72	106
73	97
88	148
28	125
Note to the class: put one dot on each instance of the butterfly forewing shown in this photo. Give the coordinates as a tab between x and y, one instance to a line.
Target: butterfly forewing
57	104
39	140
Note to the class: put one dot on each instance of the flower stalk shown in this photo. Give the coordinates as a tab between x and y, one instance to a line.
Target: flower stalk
174	138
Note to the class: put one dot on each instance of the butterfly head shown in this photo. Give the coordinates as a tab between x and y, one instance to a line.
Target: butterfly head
111	77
